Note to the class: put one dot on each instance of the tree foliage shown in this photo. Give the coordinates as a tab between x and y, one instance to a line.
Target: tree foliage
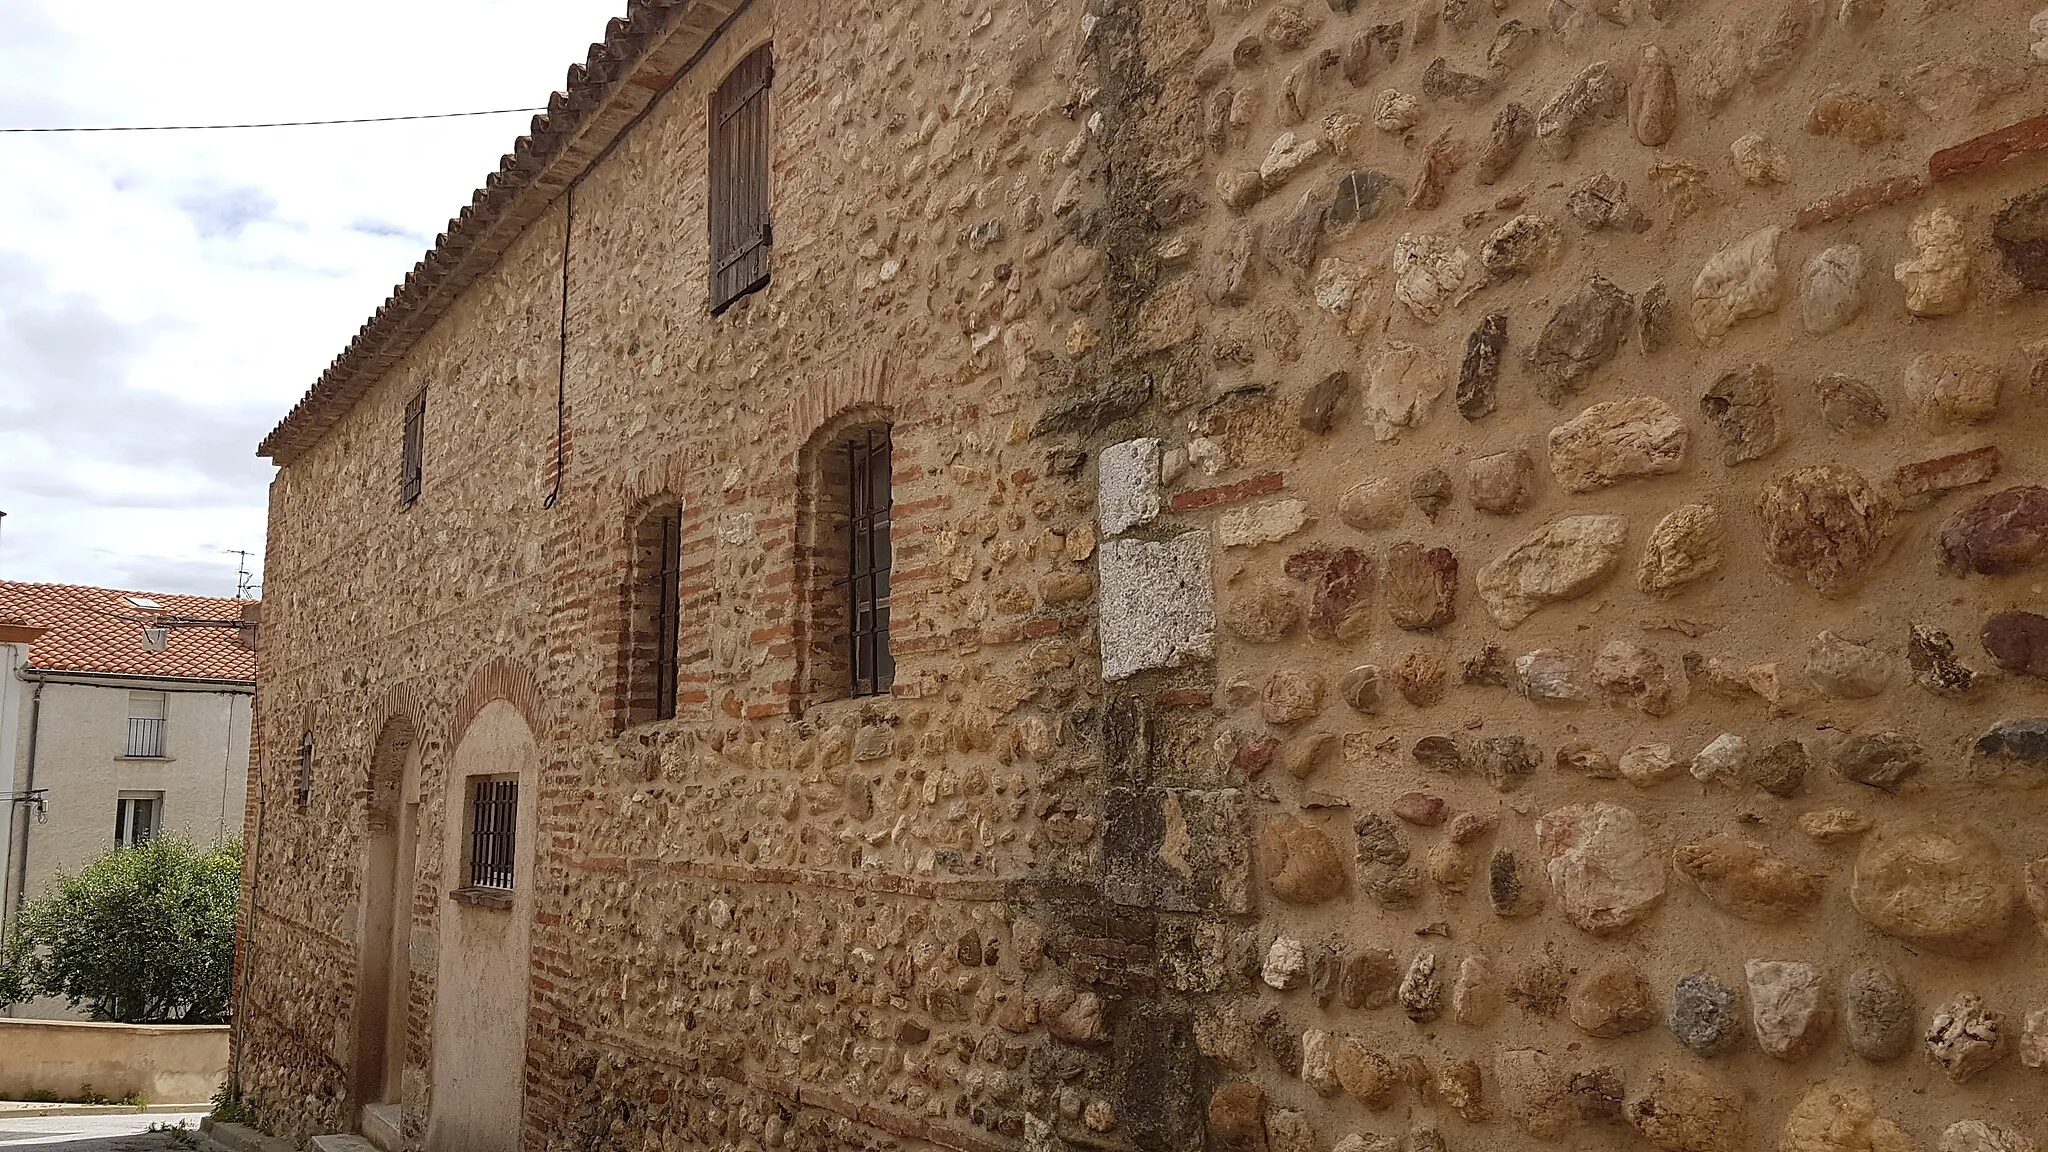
141	935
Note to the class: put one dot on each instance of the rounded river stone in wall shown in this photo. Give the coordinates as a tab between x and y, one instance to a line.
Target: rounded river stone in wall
1602	864
2018	642
1684	1110
1302	866
1826	524
1703	1014
2003	532
1878	1013
1748	880
1939	885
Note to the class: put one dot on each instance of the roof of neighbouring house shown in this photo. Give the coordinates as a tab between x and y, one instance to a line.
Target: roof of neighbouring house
100	630
642	55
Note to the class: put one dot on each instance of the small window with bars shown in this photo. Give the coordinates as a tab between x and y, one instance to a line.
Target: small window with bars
741	233
412	463
654	604
872	669
148	714
493	832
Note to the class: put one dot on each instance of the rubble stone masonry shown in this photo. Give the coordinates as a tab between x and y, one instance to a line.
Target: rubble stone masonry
1467	577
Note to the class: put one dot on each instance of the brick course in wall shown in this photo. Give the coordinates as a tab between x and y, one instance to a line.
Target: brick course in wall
1575	674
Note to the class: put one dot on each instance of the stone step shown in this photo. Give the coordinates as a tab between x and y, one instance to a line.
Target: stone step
382	1127
340	1142
237	1138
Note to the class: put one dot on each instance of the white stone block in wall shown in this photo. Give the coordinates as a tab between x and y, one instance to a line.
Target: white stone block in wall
1127	485
1261	523
1158	603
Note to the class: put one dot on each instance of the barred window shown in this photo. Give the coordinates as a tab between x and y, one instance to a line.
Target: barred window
493	832
413	459
654	616
741	233
867	564
844	557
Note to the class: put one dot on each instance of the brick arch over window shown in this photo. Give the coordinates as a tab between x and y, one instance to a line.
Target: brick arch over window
830	604
499	679
827	397
659	482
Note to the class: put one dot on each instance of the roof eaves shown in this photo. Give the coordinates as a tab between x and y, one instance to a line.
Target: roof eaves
642	55
32	672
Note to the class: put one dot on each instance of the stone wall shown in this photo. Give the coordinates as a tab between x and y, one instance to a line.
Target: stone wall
1461	582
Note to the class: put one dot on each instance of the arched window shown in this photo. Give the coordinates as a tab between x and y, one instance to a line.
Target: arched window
653	615
848	556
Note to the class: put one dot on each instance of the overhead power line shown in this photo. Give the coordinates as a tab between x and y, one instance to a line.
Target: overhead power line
276	123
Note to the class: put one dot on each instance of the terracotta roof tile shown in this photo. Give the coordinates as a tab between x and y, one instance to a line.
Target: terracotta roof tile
100	630
641	56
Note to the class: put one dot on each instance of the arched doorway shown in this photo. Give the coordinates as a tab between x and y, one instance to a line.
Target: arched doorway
384	932
483	978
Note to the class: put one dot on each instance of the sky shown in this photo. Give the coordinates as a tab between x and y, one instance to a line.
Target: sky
165	297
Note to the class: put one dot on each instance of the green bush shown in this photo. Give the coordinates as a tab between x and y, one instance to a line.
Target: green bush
141	935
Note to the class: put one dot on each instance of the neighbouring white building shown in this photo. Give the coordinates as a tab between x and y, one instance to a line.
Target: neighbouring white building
128	717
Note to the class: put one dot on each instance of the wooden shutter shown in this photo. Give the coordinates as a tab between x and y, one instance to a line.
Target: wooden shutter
740	231
414	456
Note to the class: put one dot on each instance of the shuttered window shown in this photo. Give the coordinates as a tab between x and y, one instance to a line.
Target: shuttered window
412	463
740	231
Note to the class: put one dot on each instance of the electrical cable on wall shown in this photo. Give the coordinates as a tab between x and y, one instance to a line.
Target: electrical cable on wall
272	123
562	354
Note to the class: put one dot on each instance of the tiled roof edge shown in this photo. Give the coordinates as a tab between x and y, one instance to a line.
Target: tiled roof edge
641	56
39	672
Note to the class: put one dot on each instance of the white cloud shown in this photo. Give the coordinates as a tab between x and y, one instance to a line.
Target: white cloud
165	297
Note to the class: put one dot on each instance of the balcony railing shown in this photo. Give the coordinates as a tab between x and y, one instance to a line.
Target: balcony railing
145	737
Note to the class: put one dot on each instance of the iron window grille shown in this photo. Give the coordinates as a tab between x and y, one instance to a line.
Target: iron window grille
146	723
872	669
668	613
146	737
493	832
412	465
741	234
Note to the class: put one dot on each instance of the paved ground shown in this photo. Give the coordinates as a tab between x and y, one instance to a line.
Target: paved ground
93	1133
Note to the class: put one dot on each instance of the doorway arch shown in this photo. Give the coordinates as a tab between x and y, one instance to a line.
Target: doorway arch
384	927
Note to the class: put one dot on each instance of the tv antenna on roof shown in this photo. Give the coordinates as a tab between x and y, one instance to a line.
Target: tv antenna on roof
245	585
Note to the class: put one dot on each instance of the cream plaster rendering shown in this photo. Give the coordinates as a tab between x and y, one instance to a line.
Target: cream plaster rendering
481	987
108	736
78	728
157	1063
82	759
1467	576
